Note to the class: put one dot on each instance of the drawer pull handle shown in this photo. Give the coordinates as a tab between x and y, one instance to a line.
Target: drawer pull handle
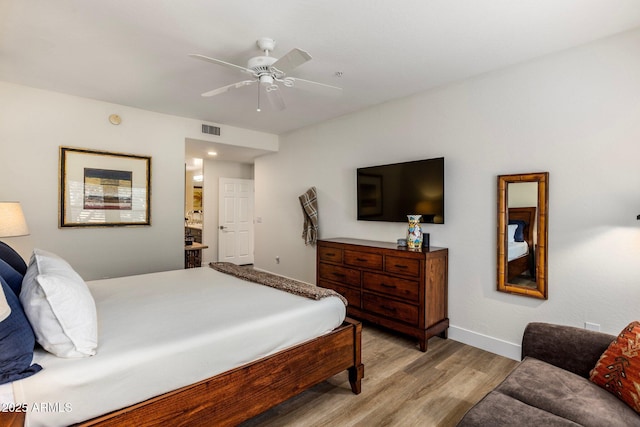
391	309
384	285
361	260
339	275
400	266
330	254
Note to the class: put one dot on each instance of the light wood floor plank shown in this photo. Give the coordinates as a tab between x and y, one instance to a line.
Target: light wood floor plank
402	386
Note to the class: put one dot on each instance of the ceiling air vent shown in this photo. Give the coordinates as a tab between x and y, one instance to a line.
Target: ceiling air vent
211	130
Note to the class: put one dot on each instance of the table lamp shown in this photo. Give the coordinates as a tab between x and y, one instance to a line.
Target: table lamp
12	224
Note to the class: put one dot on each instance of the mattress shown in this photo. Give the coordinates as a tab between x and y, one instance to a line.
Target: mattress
162	331
517	250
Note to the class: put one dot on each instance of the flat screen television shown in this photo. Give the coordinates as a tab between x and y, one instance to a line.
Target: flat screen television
391	192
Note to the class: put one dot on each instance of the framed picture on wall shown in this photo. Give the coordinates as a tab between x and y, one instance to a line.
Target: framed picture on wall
103	189
197	198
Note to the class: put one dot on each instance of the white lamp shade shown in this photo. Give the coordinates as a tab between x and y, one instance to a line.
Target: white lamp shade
12	222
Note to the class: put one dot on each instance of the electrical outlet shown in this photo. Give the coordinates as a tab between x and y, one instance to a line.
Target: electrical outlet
592	326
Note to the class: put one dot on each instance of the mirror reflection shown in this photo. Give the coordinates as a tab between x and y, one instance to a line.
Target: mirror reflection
522	234
522	198
193	212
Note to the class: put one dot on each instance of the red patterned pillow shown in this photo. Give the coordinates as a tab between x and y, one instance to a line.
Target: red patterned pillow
618	369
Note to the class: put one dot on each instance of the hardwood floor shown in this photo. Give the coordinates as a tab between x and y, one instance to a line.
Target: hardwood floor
402	386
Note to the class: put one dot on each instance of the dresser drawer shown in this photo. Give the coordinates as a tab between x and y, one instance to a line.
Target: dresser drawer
405	266
363	260
343	275
403	288
330	254
389	308
352	296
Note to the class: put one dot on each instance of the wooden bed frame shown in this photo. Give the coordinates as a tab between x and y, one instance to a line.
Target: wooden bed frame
244	392
524	263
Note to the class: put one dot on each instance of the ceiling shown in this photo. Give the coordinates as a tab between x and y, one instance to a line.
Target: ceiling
134	52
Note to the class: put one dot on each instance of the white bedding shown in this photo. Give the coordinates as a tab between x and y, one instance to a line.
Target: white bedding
517	250
162	331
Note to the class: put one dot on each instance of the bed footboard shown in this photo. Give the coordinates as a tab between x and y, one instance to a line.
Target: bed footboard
244	392
12	419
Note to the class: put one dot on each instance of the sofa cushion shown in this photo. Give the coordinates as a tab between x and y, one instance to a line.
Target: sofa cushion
618	370
499	410
575	349
567	395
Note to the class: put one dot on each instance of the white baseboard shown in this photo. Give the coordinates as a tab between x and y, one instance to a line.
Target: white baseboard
485	342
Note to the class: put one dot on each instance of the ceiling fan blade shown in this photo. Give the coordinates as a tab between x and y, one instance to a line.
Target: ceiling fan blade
276	99
314	86
227	88
220	62
294	58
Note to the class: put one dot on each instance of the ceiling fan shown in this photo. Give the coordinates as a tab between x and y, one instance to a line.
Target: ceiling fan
269	72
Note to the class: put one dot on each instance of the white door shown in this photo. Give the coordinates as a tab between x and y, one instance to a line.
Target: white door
235	221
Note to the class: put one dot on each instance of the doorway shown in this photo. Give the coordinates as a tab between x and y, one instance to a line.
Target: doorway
218	160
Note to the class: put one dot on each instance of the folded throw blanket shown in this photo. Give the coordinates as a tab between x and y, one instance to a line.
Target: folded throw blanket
282	283
309	202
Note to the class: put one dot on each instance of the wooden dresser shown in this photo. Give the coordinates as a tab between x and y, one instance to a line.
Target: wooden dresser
399	288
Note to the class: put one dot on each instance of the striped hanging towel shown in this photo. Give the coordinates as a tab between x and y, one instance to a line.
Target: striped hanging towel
309	202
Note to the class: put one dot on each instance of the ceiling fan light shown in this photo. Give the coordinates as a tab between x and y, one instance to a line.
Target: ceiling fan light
266	80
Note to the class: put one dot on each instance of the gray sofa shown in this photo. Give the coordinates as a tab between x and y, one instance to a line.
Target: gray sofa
550	387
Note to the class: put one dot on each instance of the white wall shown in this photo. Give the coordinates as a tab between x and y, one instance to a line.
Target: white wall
34	123
213	171
574	114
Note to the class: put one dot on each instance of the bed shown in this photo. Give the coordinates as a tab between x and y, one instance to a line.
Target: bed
520	250
221	364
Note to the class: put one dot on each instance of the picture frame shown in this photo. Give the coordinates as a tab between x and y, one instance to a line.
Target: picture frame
103	189
197	198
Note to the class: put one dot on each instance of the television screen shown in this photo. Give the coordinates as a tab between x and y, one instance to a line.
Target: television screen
391	192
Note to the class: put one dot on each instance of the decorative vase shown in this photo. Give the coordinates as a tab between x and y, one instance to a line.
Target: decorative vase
414	232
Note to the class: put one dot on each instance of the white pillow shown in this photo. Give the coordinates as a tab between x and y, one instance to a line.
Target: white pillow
511	233
59	307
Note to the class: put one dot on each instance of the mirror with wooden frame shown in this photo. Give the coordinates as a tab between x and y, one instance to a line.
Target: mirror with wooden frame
522	234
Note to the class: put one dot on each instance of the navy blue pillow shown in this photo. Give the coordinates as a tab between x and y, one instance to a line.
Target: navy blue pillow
519	236
16	341
11	276
11	257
